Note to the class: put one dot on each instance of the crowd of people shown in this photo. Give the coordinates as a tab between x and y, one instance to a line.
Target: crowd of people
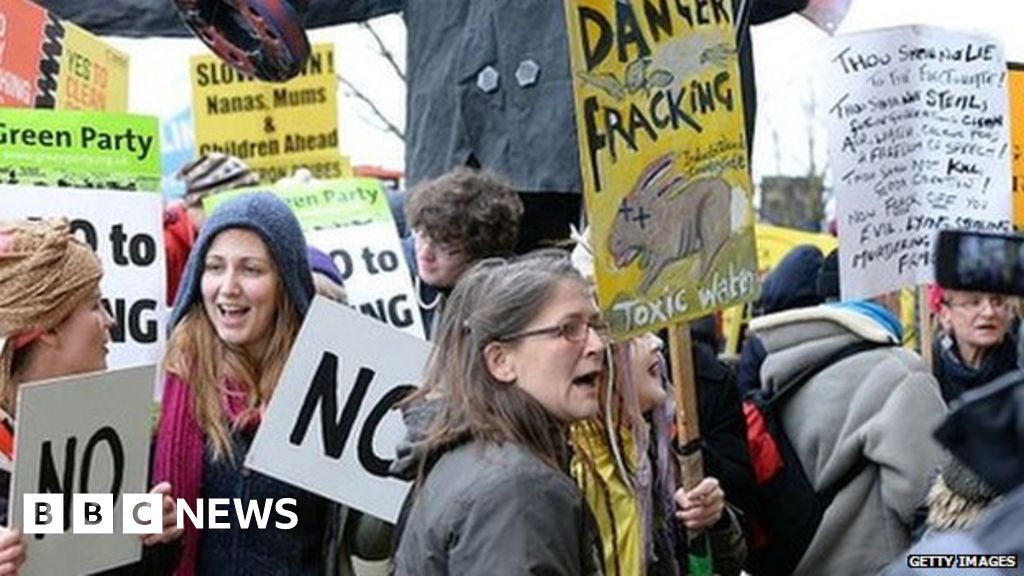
535	443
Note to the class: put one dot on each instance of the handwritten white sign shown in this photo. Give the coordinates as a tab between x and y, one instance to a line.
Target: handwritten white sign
918	139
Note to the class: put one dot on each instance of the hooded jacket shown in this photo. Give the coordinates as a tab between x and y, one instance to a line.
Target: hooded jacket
880	405
985	433
791	284
181	456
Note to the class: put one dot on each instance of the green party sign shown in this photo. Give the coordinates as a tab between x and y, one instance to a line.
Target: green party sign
324	204
79	149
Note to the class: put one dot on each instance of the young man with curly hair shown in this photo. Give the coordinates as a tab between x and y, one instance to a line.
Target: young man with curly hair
457	219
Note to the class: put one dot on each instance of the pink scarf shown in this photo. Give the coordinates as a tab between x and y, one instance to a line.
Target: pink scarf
180	450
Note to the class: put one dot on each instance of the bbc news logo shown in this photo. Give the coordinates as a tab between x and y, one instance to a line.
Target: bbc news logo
143	513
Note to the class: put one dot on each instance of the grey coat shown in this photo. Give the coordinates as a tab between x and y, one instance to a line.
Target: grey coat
498	510
881	405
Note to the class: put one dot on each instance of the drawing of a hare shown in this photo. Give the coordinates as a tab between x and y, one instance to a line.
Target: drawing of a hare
666	218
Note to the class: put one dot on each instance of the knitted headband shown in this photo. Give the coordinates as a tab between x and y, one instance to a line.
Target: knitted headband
45	272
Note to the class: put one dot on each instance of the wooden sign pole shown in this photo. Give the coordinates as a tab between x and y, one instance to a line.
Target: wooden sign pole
687	420
691	462
925	334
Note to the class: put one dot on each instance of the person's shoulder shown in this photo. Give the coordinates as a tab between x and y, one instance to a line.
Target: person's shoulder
505	468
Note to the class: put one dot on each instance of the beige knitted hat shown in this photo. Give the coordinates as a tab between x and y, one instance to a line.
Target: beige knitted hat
45	273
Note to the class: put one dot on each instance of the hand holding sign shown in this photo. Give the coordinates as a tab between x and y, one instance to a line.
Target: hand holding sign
12	551
170	518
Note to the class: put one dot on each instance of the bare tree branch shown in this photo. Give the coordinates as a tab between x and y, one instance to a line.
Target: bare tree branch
391	127
384	50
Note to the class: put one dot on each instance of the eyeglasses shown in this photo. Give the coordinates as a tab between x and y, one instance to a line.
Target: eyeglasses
974	304
575	330
443	249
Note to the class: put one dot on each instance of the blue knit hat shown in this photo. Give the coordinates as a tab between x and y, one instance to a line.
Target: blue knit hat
268	216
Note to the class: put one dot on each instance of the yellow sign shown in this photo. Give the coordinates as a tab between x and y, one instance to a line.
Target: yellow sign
47	62
659	115
274	128
773	243
95	75
1016	84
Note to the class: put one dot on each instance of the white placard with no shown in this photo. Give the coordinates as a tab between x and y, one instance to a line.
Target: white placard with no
87	433
371	259
918	140
126	230
330	427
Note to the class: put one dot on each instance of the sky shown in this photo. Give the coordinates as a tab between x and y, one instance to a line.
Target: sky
785	66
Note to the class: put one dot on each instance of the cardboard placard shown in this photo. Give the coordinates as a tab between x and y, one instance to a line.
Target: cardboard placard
331	415
659	117
126	230
919	142
82	434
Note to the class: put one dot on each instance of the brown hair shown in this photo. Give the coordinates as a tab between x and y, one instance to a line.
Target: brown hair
493	299
206	363
473	210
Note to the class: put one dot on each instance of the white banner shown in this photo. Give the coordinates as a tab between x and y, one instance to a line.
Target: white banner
330	427
126	230
918	141
350	219
76	435
376	274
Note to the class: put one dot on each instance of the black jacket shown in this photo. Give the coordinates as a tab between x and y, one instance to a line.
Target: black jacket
723	428
955	377
791	284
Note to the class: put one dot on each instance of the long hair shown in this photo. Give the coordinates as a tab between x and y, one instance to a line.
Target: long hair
214	369
640	446
493	299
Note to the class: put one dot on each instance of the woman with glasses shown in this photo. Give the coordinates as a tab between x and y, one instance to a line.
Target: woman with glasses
519	357
975	344
457	219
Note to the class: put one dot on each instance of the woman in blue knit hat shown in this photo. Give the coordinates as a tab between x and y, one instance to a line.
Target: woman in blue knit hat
244	294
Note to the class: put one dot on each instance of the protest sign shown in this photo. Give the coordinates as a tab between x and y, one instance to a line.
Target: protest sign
351	221
773	243
46	62
177	148
274	127
126	230
918	140
79	149
659	118
82	434
1015	82
330	427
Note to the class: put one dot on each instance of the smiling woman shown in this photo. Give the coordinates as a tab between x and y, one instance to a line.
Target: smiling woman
245	291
